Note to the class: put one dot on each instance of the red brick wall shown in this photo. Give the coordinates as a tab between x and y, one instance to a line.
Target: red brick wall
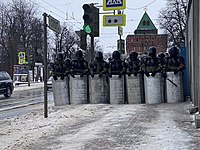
141	43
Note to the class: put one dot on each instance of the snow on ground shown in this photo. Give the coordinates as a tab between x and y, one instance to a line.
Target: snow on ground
102	126
20	131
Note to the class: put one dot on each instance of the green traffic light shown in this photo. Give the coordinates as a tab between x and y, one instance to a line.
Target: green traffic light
87	28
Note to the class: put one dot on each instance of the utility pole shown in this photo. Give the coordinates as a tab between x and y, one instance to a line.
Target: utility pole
45	67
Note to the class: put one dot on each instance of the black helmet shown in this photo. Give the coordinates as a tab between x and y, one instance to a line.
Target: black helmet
152	51
173	51
161	55
79	54
59	56
133	56
99	55
67	62
116	55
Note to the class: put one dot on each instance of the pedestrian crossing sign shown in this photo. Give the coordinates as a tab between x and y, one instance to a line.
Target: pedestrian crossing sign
21	57
114	5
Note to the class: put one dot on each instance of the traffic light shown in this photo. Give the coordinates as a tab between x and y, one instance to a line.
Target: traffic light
30	59
91	19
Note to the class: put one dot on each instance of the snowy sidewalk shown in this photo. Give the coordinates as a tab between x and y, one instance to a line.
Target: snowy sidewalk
103	127
26	87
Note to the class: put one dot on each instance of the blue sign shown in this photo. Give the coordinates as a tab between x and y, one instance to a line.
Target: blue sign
114	4
21	55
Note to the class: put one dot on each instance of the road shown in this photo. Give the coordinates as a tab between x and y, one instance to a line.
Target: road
22	101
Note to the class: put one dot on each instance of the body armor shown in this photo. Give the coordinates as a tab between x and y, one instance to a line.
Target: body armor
151	63
133	64
98	66
116	65
173	62
79	66
58	68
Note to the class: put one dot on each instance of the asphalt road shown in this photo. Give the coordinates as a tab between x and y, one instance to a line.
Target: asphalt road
23	101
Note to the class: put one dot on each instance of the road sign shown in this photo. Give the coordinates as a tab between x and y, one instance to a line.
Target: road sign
21	61
114	20
114	4
54	24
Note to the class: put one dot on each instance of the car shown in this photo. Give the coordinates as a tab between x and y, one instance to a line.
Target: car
49	83
6	84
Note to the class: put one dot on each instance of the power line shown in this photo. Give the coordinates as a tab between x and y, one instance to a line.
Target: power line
143	7
55	13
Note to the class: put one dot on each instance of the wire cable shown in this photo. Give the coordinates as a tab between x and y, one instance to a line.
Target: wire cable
141	7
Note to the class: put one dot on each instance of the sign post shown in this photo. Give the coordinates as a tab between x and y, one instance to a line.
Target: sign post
54	25
45	67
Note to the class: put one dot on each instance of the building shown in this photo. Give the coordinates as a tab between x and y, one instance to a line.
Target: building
146	35
193	48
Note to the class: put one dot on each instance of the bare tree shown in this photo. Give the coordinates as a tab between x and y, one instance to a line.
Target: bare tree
65	41
20	31
172	19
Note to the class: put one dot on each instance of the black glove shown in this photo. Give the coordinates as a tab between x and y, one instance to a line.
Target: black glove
147	74
81	75
175	72
120	75
135	74
62	77
92	75
153	74
55	77
72	75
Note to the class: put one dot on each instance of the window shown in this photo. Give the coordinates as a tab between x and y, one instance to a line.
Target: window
144	22
148	23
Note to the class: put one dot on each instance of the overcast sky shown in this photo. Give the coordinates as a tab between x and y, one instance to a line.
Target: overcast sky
71	11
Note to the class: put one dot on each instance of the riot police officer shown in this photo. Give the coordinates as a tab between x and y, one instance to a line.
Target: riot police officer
133	64
67	63
150	63
58	68
116	65
174	62
79	65
98	66
161	57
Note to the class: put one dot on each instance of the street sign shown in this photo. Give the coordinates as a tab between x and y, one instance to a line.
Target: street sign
114	4
114	20
120	30
21	61
21	55
54	24
21	58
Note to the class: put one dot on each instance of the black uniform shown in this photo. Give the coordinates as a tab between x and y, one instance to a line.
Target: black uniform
98	66
116	65
133	64
79	66
151	63
173	62
58	68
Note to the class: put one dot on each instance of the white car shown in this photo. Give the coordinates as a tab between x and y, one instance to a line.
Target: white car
49	83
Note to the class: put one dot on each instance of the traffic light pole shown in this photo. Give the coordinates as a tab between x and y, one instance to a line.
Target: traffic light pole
28	75
92	47
45	67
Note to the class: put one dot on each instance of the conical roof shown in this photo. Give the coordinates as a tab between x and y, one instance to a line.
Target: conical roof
146	23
